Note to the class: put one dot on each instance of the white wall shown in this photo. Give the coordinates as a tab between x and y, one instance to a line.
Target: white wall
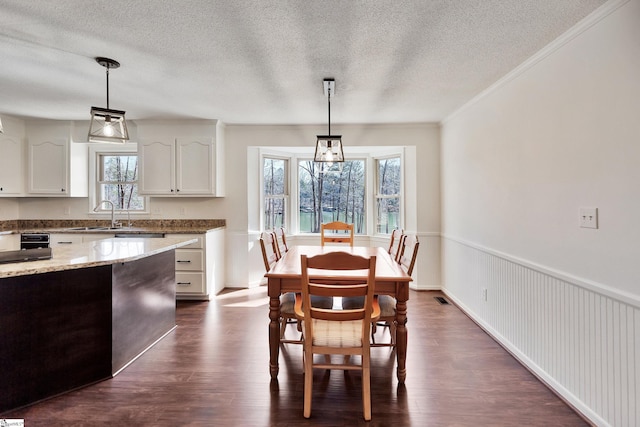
559	133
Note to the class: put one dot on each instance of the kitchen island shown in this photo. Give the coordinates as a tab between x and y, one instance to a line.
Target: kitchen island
83	315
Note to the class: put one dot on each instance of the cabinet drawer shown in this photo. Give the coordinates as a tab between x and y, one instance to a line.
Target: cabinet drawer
56	240
189	282
189	259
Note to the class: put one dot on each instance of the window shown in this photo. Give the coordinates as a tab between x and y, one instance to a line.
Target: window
331	193
275	190
116	172
388	180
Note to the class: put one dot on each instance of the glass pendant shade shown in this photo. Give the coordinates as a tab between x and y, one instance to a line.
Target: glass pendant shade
329	149
108	126
1	128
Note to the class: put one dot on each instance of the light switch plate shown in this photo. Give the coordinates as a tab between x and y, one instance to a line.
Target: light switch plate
589	217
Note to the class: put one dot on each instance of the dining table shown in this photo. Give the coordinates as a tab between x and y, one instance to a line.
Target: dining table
390	279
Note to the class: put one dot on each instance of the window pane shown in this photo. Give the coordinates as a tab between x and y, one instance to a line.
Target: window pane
123	196
335	193
274	176
389	176
388	210
274	213
275	192
120	168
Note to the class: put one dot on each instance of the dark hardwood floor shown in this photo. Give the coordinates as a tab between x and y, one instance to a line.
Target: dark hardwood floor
213	371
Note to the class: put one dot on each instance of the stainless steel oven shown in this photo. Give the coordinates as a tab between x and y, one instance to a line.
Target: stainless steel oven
34	240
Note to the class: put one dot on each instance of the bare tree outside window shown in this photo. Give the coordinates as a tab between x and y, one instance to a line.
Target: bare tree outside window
275	173
388	180
118	181
332	193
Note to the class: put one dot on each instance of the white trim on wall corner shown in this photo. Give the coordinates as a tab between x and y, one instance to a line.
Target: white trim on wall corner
616	294
590	20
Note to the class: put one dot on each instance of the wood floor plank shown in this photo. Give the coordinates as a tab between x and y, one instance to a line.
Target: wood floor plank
213	371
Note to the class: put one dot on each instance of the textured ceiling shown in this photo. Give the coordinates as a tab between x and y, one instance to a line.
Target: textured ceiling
263	61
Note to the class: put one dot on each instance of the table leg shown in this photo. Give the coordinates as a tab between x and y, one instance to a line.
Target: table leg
274	334
401	339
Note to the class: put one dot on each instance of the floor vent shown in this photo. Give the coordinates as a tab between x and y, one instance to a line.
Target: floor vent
442	300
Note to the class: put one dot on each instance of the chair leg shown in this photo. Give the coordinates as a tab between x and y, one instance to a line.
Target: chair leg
283	326
366	389
308	383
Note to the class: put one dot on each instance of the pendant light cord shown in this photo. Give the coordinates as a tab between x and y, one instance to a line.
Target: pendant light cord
329	107
107	66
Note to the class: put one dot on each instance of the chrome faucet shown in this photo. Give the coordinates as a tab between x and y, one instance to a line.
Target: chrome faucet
113	220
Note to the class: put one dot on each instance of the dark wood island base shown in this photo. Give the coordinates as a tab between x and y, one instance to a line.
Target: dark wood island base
66	329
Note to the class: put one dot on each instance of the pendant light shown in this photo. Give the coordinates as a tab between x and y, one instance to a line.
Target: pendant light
329	147
107	125
1	128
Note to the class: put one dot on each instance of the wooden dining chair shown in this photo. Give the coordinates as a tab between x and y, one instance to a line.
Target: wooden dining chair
337	332
394	243
281	241
339	232
270	256
407	255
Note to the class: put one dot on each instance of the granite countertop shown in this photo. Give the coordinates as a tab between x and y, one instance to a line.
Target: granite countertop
168	226
96	253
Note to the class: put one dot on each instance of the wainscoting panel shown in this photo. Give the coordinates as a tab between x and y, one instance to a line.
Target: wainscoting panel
582	341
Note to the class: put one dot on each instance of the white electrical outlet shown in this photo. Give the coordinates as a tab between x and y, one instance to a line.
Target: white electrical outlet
484	294
589	217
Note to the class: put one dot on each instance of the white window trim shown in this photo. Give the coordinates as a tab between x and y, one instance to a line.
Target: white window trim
95	150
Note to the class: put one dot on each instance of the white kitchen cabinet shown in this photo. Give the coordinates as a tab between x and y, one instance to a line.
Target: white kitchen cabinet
56	165
200	265
180	159
11	164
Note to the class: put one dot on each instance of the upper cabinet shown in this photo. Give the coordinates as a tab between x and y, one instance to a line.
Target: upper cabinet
56	165
11	166
181	159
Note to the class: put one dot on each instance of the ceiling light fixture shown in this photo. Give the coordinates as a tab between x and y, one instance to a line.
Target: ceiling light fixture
329	147
107	125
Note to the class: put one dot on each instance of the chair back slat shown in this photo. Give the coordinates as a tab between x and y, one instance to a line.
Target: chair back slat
341	233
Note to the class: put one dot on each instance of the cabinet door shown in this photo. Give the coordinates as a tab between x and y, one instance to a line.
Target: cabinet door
10	165
194	166
48	166
157	166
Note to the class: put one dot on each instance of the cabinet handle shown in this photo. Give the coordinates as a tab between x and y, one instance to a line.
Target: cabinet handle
64	243
184	283
183	261
177	190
